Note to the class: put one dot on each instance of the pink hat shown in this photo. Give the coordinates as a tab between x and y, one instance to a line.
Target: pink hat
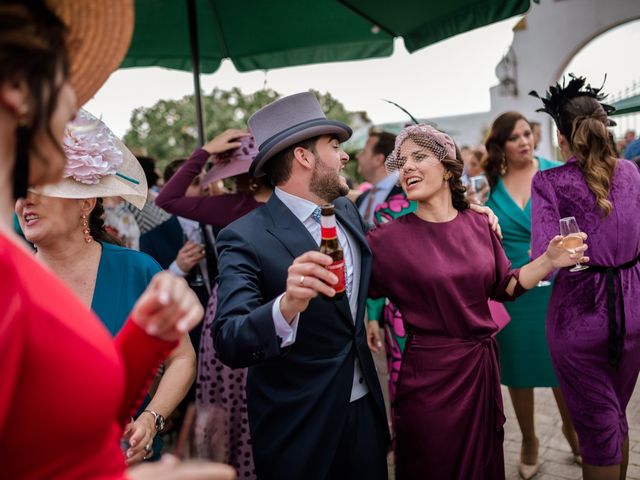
441	144
232	162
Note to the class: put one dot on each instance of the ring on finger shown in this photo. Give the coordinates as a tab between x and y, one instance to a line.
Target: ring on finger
148	448
301	282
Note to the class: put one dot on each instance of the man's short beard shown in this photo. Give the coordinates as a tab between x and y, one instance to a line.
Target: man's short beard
326	184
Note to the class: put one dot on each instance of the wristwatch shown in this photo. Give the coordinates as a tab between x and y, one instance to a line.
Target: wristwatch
159	420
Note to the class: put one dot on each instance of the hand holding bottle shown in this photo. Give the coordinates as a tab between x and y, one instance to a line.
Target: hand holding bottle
306	279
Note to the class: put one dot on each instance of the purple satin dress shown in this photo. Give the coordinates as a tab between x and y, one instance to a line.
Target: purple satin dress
596	393
448	407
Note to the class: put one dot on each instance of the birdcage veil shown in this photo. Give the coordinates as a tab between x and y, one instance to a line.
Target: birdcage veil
439	145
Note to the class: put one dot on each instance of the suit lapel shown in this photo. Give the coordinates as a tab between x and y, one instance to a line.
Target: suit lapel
289	231
352	224
295	237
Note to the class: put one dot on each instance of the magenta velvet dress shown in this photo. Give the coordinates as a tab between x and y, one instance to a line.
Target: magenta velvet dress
577	319
448	411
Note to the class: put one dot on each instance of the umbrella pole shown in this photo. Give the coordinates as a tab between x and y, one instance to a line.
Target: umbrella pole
195	64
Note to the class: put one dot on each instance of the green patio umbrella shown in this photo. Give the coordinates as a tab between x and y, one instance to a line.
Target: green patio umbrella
196	35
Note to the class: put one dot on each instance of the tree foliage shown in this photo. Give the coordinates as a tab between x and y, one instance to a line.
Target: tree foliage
167	130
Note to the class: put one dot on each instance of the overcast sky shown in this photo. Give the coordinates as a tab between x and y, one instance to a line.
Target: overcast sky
448	78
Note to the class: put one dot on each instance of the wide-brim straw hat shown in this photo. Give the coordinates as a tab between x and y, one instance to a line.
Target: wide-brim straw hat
127	180
99	34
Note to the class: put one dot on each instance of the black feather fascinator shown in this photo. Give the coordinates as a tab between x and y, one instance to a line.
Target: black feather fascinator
559	95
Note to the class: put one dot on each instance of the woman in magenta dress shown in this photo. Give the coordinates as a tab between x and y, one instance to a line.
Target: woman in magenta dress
440	266
593	319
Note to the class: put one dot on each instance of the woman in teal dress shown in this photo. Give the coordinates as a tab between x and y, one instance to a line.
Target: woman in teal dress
65	223
525	362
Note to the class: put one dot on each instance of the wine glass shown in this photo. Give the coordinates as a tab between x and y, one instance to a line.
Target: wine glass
204	434
478	189
572	239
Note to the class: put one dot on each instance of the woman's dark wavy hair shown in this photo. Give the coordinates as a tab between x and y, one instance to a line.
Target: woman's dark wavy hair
455	166
458	190
498	135
96	225
32	52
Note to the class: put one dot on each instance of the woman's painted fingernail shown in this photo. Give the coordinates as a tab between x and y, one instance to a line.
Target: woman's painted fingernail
164	297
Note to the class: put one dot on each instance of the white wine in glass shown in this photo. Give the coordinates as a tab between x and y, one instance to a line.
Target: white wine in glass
478	190
572	239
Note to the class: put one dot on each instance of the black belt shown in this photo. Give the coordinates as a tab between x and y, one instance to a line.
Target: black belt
616	334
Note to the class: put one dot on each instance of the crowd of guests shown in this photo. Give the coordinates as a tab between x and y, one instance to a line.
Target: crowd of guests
110	272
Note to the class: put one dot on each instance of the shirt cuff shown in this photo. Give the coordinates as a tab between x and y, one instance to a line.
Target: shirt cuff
176	270
285	331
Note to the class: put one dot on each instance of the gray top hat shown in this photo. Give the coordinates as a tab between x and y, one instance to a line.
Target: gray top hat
288	121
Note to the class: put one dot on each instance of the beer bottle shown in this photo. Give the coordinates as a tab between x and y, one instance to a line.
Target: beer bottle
329	245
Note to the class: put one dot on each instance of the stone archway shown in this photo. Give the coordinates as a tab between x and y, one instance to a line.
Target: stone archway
544	43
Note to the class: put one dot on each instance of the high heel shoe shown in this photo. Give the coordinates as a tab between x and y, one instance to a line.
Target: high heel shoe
528	471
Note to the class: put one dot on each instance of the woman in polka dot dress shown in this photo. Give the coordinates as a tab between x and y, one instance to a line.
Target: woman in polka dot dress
222	423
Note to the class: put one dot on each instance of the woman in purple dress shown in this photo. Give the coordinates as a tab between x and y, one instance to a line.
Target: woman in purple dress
593	319
440	265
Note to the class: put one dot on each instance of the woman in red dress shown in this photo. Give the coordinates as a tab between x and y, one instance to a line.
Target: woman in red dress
51	345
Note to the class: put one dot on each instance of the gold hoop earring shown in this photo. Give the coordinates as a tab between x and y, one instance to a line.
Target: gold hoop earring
85	229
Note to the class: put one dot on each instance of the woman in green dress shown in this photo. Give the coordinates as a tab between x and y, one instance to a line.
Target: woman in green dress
525	362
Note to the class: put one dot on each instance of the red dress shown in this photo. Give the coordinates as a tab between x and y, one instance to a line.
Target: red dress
66	387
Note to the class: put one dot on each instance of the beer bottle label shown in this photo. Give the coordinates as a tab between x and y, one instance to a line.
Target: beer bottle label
328	227
337	268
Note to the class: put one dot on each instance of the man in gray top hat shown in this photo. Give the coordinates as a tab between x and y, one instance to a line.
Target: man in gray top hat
315	404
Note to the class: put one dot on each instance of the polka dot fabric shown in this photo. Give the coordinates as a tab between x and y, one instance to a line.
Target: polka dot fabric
223	421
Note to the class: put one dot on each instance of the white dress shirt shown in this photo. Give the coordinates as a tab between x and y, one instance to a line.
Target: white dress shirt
303	210
383	188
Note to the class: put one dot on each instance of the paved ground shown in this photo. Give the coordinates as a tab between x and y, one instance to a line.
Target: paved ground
554	449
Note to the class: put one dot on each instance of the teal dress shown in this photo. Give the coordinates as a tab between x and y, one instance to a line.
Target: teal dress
123	275
525	361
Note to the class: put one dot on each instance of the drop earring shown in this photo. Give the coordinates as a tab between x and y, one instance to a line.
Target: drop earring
85	229
503	165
